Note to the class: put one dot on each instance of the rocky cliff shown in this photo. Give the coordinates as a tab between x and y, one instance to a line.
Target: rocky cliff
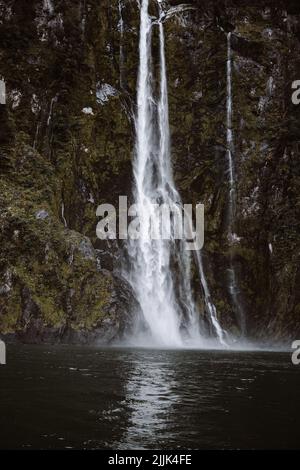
66	142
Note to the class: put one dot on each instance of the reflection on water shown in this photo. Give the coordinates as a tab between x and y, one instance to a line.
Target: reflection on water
150	394
68	397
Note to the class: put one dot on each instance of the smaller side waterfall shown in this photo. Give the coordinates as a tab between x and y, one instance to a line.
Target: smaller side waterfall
63	214
210	307
121	30
231	205
53	101
232	237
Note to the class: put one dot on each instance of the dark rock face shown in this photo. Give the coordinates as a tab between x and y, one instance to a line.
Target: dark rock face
116	322
266	134
66	142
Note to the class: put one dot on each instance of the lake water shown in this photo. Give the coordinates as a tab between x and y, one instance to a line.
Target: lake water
57	397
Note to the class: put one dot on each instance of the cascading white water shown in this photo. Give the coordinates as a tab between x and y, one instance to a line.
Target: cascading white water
232	237
221	334
166	303
121	29
63	214
151	275
231	205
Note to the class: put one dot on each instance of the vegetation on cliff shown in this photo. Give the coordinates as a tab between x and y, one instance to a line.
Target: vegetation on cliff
66	141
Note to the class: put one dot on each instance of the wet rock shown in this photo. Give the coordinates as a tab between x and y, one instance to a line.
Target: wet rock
118	320
87	249
41	215
105	260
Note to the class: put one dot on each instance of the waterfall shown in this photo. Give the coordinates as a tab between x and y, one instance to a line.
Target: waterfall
165	296
48	6
63	214
53	100
151	275
232	237
221	334
35	142
121	29
231	208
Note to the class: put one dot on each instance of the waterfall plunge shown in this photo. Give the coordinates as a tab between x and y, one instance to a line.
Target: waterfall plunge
167	304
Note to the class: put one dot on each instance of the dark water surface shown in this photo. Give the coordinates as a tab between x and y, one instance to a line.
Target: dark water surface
72	397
